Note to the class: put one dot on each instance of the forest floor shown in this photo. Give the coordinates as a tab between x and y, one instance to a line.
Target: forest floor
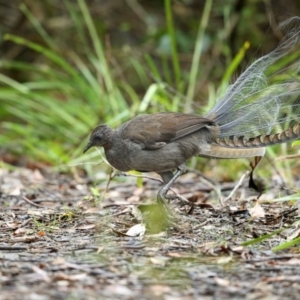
60	240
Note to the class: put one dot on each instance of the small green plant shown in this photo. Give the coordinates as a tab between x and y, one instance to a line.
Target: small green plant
95	194
42	226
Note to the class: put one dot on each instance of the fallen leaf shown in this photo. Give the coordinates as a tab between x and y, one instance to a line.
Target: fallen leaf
86	227
136	230
257	211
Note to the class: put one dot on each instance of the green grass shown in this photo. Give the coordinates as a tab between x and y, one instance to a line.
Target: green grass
48	116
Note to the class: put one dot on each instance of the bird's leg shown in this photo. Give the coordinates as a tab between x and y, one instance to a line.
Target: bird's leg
253	165
162	194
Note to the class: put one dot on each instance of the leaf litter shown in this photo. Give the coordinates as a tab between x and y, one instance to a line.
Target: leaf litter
59	239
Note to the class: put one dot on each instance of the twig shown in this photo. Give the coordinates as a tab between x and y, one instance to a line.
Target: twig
107	184
138	176
213	187
32	203
13	248
293	156
183	199
235	188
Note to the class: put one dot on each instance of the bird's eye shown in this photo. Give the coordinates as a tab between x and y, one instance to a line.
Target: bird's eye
98	139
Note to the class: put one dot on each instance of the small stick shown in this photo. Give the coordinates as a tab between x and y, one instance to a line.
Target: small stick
32	203
235	188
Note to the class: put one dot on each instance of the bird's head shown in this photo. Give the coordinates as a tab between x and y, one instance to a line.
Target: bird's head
100	136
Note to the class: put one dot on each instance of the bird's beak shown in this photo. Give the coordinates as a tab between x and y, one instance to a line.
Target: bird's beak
87	147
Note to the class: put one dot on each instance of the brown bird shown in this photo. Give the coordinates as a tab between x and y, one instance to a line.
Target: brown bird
241	124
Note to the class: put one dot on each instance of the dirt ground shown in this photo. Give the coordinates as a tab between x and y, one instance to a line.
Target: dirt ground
61	239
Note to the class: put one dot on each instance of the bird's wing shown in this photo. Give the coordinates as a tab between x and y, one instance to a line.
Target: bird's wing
156	130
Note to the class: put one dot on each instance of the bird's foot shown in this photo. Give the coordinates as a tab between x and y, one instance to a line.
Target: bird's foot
163	196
